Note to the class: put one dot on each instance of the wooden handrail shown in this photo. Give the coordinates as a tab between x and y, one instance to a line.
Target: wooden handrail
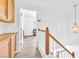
42	30
60	44
47	42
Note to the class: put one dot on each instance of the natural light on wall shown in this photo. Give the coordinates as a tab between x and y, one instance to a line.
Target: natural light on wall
75	27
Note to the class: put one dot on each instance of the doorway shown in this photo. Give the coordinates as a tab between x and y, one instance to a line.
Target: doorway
27	25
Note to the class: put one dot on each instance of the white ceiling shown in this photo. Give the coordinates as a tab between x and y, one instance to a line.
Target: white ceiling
62	5
49	3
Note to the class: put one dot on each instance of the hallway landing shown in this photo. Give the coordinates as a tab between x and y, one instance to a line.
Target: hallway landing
28	50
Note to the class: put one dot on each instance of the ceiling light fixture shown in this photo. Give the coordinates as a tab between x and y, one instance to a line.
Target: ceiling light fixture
75	27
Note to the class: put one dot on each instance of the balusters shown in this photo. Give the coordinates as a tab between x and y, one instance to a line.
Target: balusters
50	44
61	53
53	49
56	48
64	54
58	51
67	55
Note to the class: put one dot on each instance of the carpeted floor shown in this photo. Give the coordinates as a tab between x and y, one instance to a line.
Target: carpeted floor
28	50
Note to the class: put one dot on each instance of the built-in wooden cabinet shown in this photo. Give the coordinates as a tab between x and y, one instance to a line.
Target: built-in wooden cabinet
7	45
3	10
7	11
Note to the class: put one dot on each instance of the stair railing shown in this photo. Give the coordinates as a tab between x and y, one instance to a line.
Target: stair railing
62	52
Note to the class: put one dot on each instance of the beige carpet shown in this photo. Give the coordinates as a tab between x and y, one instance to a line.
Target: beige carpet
28	50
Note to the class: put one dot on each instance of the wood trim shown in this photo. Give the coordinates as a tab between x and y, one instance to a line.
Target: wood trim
6	8
6	21
47	41
6	35
9	33
13	45
10	11
42	30
9	48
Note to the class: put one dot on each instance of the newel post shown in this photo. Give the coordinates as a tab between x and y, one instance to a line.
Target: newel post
47	41
73	55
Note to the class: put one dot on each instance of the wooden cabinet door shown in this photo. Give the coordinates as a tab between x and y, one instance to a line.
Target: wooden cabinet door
3	10
7	11
13	45
5	49
11	11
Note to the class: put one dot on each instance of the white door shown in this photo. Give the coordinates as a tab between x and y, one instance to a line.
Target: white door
27	24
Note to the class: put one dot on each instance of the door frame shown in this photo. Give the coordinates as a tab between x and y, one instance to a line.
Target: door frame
21	29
